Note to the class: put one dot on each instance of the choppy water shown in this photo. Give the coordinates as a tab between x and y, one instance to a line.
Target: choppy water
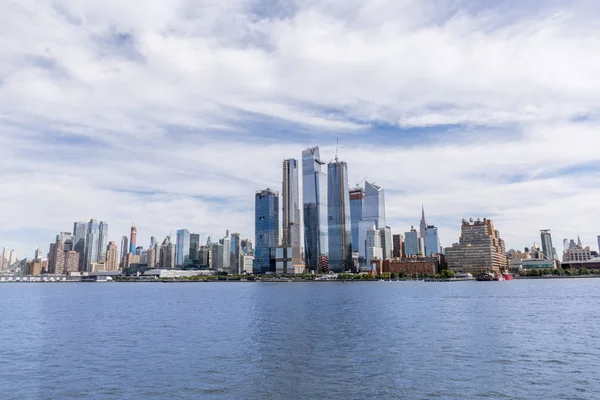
387	340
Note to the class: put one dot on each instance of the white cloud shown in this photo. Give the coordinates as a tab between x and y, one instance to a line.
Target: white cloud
170	115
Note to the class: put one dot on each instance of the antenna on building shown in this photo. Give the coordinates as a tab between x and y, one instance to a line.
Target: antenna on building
337	146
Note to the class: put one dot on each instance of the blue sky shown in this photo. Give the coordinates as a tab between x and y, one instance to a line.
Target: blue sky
172	113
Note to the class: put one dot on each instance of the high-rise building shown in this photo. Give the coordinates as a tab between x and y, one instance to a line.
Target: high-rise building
91	244
38	254
226	243
547	247
12	258
398	245
423	226
373	213
338	206
357	195
194	246
167	254
374	250
411	242
102	240
204	256
4	258
291	210
151	257
266	230
71	263
217	254
247	247
386	242
183	246
57	259
153	242
314	190
480	249
235	253
124	251
133	239
80	229
112	257
432	241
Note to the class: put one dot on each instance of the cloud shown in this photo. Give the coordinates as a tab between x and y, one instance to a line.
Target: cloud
171	115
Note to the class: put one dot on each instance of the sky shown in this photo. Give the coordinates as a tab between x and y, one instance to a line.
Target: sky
170	114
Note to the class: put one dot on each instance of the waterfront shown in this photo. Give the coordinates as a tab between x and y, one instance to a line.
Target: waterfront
519	339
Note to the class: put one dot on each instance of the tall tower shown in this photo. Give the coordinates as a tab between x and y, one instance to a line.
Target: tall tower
91	244
182	249
266	230
373	213
291	210
314	190
112	257
133	239
547	247
338	212
102	240
79	236
423	225
357	195
124	250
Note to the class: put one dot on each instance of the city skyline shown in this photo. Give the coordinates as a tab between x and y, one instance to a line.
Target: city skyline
98	118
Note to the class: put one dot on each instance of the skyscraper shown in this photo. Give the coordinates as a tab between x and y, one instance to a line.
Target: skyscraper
398	245
4	258
56	264
373	213
423	225
226	242
124	250
386	242
373	244
112	257
266	230
71	261
91	244
432	241
314	190
38	254
357	195
338	206
167	254
102	240
235	252
547	247
133	239
183	246
411	242
80	229
291	210
194	246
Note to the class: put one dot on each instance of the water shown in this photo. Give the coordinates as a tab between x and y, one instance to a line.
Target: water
386	340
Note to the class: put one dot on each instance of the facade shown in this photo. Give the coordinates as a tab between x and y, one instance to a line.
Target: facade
247	247
480	249
386	242
374	250
4	258
421	266
133	239
57	257
124	250
38	254
167	254
432	241
79	236
314	191
357	196
226	243
151	257
577	253
217	252
71	262
91	244
547	247
34	267
338	217
205	256
290	203
266	230
183	246
412	243
235	253
112	257
247	264
102	240
398	250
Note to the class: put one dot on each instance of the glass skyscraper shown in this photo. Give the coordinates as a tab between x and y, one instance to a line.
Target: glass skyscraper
266	230
373	213
291	210
102	240
314	190
182	246
411	242
79	235
357	196
194	246
547	247
338	213
432	241
91	243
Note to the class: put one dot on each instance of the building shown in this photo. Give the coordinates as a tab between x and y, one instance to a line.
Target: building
386	242
182	246
38	254
374	250
357	196
373	213
71	262
247	247
338	216
412	243
547	247
167	254
266	230
124	250
34	267
132	239
398	250
226	243
151	257
432	241
56	257
235	254
194	246
314	191
423	224
92	240
247	264
4	258
12	258
205	256
112	257
290	204
577	253
412	267
480	249
217	252
102	240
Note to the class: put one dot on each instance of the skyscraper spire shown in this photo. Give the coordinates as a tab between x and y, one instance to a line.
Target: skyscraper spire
423	225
